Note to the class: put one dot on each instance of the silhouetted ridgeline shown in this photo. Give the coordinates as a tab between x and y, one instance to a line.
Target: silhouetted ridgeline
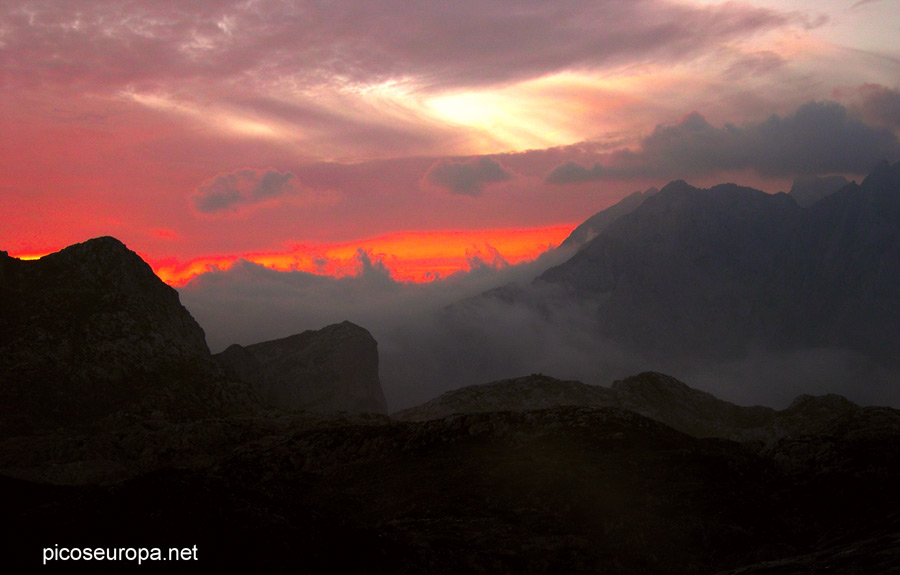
91	333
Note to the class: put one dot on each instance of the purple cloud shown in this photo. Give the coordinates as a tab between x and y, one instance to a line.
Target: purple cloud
880	105
232	191
468	177
144	43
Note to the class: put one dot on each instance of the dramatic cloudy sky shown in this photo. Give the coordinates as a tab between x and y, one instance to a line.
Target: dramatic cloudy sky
432	134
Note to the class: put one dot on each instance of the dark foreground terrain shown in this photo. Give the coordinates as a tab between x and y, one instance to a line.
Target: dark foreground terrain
566	489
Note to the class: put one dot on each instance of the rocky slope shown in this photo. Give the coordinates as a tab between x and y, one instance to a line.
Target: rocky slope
806	191
594	225
332	369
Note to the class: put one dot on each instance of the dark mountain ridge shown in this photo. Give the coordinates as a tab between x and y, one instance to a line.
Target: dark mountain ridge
591	227
706	274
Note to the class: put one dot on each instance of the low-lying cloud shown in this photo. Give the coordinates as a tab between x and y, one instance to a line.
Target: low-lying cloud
491	323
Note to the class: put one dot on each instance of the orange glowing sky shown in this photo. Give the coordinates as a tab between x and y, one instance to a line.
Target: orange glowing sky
294	135
408	256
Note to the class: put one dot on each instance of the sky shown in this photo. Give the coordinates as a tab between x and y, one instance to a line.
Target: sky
430	136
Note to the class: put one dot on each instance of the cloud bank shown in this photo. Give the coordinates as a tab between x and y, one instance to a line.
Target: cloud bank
818	138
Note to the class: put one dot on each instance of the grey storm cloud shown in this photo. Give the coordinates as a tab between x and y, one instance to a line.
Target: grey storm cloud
818	138
468	177
234	190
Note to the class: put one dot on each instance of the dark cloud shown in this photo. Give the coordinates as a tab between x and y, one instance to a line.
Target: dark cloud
574	173
880	105
234	190
467	177
818	138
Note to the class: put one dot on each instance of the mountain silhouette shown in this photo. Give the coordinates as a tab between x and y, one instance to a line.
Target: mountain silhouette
708	273
331	369
90	334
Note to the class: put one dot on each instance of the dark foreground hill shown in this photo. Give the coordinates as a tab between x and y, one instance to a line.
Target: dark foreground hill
90	333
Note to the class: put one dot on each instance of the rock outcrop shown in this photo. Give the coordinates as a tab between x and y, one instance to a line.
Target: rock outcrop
331	369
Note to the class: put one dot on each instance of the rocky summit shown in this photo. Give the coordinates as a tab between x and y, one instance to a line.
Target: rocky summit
90	332
331	369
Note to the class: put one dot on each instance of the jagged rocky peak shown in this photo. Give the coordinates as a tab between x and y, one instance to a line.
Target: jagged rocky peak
90	331
693	276
331	369
101	288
